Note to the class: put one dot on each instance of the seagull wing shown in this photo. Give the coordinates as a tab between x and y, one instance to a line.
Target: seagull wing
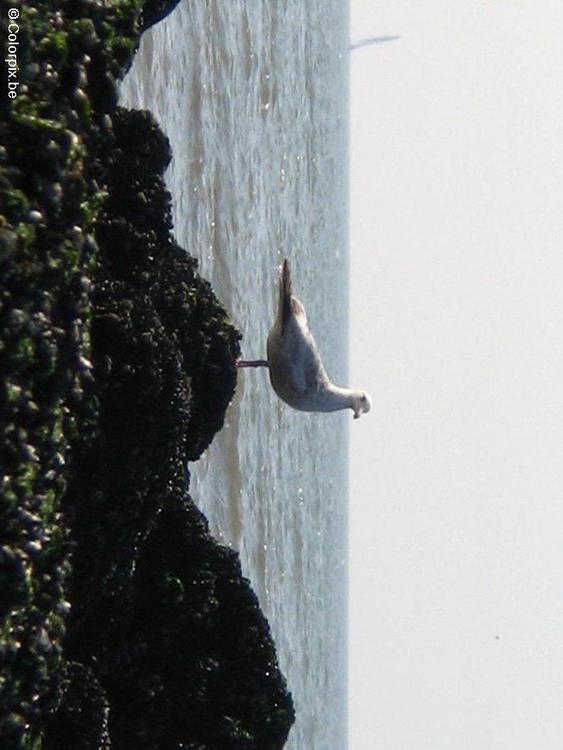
304	364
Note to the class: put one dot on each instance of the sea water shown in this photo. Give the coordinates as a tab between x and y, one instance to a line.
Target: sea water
254	99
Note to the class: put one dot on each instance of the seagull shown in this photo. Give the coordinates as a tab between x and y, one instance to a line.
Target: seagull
296	371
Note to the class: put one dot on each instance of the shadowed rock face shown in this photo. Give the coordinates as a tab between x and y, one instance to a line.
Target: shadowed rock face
181	646
159	340
187	655
117	366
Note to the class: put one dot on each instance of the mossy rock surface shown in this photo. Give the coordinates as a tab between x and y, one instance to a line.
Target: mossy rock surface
55	137
117	366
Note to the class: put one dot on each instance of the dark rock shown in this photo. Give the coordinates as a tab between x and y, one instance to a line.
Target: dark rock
82	717
197	663
117	366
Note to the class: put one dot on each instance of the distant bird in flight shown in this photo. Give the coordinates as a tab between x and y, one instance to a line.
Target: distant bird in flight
296	371
372	40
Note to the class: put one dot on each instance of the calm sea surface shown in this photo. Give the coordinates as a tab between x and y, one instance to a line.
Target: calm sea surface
254	99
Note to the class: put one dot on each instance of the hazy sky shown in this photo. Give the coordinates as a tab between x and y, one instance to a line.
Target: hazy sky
457	331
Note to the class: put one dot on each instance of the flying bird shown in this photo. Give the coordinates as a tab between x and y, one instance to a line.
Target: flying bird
373	40
296	371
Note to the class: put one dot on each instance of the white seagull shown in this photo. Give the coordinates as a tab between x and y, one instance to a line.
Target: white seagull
296	371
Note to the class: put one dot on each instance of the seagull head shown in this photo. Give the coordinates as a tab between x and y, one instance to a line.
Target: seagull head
361	404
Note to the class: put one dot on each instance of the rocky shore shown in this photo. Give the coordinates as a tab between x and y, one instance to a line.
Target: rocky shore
123	624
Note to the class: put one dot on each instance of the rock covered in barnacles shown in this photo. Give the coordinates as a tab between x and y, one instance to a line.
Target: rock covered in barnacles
117	366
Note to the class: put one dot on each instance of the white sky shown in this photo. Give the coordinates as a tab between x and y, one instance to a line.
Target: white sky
456	639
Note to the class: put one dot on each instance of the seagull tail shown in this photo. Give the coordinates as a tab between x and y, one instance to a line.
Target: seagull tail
285	293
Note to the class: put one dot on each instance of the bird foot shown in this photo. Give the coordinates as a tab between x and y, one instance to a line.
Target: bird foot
252	363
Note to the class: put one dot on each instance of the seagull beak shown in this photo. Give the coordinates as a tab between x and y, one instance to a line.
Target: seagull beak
362	405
